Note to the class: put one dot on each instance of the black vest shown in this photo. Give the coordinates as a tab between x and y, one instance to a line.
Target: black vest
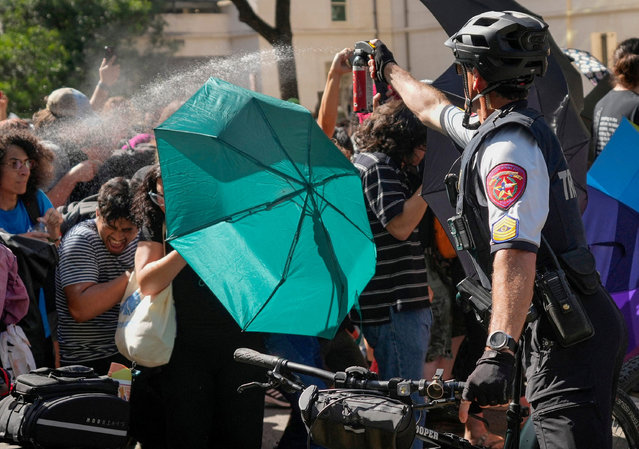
563	228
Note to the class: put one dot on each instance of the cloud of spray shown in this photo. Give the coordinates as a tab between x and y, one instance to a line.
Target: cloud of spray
104	132
100	135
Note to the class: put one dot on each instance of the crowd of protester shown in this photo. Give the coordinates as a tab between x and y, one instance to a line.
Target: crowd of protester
64	154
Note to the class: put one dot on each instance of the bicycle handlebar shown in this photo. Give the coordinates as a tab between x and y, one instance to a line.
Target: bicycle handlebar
356	379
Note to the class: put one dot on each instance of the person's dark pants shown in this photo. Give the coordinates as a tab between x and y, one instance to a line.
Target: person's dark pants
198	387
299	349
571	390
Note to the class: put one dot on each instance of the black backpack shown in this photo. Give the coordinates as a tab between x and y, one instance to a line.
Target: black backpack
72	213
77	211
62	408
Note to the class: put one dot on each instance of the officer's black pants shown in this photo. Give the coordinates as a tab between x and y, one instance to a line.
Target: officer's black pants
571	390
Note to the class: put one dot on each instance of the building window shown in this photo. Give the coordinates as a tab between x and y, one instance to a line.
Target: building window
603	46
338	10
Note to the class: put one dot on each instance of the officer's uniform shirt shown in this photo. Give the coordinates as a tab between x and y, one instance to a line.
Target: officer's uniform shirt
508	161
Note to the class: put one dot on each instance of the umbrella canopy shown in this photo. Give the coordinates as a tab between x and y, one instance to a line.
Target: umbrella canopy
587	64
265	209
612	230
616	170
612	222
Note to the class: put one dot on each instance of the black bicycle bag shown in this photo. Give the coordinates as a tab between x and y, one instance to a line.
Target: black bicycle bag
70	407
356	419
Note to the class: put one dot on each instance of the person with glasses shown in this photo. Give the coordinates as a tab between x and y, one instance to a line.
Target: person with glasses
25	210
25	165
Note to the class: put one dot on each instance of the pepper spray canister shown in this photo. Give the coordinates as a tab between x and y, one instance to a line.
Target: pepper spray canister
362	83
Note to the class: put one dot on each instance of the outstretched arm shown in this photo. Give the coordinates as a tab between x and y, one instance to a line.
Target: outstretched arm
425	101
154	270
4	104
327	116
109	74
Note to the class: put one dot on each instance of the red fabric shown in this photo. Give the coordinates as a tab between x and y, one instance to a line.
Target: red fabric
14	300
505	184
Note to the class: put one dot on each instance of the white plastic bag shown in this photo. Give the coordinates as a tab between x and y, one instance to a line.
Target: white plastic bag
146	325
15	351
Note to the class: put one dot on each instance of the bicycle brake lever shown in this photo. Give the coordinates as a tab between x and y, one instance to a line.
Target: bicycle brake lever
288	384
242	388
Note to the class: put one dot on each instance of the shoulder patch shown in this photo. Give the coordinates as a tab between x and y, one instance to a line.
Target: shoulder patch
505	184
505	229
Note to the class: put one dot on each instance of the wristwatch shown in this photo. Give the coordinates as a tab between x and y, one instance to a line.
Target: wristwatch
500	341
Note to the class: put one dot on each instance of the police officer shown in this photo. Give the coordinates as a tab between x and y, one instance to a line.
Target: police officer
518	205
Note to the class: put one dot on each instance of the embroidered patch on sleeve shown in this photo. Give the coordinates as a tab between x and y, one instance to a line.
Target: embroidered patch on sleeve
505	184
505	229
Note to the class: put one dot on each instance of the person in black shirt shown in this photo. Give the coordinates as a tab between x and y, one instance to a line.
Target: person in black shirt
623	100
198	387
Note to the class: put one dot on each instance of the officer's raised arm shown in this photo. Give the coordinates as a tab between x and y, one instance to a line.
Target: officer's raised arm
425	101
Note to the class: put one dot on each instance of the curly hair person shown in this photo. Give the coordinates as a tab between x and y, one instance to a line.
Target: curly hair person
392	129
145	211
114	200
41	172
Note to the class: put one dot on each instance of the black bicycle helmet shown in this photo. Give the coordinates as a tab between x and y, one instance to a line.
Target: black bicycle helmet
503	46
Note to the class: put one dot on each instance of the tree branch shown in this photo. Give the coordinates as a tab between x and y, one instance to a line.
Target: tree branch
248	16
283	18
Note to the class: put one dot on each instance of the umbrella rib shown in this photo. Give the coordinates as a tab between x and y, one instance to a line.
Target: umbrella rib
330	244
279	143
248	156
248	211
287	266
324	181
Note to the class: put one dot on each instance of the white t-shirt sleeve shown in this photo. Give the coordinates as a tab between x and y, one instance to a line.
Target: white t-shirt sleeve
515	180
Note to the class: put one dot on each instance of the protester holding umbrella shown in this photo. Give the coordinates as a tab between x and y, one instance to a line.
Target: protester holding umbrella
623	100
518	203
198	387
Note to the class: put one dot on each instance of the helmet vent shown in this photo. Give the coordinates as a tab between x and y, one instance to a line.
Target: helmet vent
485	21
479	41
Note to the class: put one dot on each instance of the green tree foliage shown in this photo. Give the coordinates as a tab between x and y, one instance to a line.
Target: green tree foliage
29	71
46	44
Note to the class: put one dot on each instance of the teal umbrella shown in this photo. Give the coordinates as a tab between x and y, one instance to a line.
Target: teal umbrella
265	209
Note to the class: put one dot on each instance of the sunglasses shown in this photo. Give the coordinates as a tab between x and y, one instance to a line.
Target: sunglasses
17	164
157	198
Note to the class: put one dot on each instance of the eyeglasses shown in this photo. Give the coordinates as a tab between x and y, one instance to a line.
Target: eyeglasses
17	164
157	198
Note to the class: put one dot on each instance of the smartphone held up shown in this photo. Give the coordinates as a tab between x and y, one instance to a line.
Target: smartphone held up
109	52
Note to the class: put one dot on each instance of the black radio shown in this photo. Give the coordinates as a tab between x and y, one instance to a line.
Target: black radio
563	308
459	229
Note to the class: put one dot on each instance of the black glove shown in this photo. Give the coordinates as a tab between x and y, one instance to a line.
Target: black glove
383	57
491	381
